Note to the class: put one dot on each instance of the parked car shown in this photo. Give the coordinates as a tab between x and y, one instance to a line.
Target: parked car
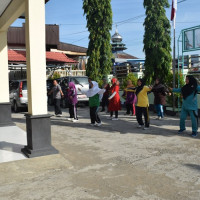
80	82
18	94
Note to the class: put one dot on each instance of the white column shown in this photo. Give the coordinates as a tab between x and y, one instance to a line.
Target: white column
36	57
4	80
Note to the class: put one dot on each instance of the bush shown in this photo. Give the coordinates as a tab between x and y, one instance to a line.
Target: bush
169	83
100	83
131	77
55	76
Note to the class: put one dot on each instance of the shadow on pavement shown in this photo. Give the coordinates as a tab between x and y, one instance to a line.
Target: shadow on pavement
125	125
193	166
11	147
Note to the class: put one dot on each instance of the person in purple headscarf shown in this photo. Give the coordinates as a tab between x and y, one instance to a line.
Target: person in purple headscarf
72	99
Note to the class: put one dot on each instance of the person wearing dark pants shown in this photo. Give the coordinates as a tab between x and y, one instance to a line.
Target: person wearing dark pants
142	111
95	94
142	104
105	101
116	114
73	100
131	99
129	109
73	112
57	107
57	94
94	115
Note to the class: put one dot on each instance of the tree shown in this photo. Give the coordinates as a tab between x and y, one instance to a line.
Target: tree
131	77
157	40
99	23
178	96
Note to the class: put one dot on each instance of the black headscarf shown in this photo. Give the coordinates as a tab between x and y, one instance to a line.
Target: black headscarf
189	88
139	88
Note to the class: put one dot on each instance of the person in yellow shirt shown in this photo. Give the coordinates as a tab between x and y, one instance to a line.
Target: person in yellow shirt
142	106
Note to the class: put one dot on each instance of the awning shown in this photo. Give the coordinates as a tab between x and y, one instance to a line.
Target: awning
51	57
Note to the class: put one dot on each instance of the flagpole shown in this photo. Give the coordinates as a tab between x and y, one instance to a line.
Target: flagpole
174	63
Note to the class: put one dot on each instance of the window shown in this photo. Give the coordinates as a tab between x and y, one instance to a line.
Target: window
24	85
80	80
197	38
189	40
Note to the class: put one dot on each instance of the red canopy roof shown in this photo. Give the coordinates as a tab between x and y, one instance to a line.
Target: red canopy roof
51	57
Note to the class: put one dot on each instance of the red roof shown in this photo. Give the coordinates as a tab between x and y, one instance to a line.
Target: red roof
51	57
58	57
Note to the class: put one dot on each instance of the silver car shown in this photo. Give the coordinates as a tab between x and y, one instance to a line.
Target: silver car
18	94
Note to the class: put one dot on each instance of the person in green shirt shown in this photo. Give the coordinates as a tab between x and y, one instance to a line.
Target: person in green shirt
190	105
95	94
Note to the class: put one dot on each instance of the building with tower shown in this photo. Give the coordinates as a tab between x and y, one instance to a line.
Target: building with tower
123	63
118	48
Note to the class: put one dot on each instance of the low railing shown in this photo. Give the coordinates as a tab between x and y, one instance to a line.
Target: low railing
21	73
71	72
77	73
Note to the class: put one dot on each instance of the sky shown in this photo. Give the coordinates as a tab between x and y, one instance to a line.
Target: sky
129	16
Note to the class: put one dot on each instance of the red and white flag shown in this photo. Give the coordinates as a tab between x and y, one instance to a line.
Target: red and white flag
174	9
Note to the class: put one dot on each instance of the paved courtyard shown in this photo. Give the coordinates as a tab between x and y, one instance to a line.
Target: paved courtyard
116	161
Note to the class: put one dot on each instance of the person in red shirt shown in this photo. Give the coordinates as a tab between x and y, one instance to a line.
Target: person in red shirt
114	99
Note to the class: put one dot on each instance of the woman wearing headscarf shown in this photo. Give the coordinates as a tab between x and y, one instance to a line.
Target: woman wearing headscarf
114	99
160	92
72	99
95	94
189	104
130	97
142	106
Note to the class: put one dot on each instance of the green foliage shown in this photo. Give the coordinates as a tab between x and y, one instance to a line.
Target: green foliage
74	67
169	81
131	77
55	76
100	82
157	40
99	23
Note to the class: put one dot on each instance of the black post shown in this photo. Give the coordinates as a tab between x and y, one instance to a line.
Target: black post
38	136
5	115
